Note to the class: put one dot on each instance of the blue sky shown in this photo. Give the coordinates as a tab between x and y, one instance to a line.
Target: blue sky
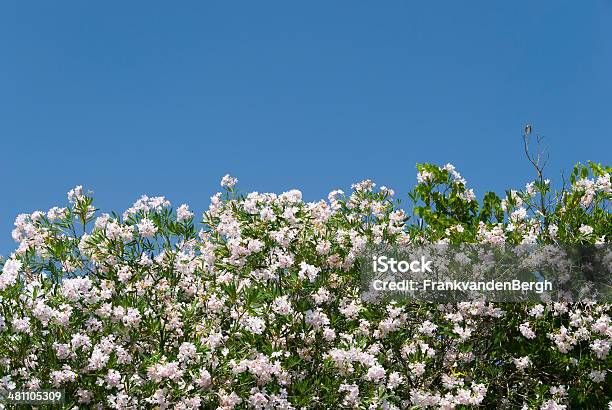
129	98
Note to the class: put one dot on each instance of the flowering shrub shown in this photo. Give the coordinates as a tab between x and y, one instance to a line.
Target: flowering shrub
259	307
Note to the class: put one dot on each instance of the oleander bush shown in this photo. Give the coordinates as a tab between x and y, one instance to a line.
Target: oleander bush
258	306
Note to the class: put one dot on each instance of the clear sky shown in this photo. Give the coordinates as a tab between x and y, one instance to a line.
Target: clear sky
164	98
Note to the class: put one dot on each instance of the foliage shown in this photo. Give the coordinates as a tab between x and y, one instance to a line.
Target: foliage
258	307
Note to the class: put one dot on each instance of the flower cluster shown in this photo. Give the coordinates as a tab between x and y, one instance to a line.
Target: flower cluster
259	305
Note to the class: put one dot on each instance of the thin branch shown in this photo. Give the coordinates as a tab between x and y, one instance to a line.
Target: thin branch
539	163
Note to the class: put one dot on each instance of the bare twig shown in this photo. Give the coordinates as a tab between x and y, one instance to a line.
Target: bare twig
539	162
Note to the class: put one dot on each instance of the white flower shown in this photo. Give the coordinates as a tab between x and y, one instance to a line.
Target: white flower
84	396
601	348
98	359
75	194
112	379
186	352
395	379
530	188
124	274
365	185
553	405
308	271
428	328
585	229
604	183
526	331
518	215
536	311
418	368
522	363
21	325
254	324
352	396
147	228
160	371
228	181
598	376
10	271
424	177
205	379
282	306
56	213
376	373
183	213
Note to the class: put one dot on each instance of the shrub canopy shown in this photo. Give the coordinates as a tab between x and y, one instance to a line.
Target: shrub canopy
258	305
